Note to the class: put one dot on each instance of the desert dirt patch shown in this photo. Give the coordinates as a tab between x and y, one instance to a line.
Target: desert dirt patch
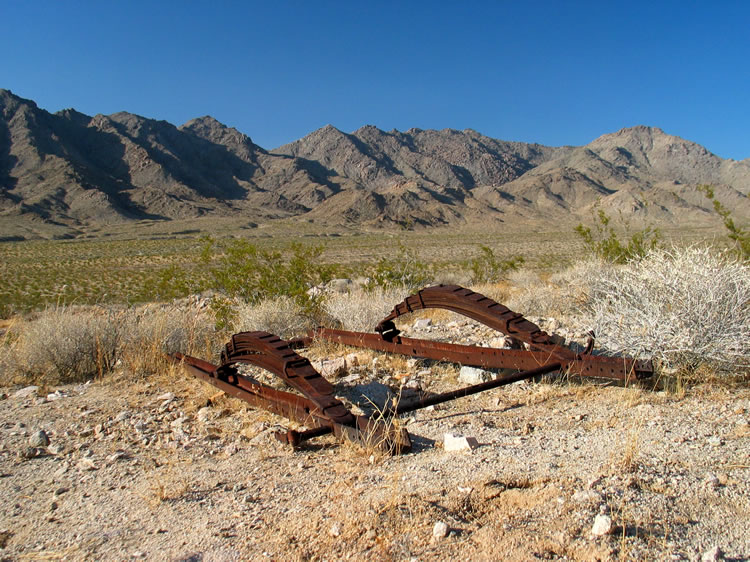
167	468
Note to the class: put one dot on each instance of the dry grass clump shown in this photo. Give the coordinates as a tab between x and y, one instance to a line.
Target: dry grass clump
65	344
70	344
152	331
684	307
282	316
560	296
361	310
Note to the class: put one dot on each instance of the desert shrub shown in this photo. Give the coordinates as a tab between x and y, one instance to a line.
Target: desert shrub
361	310
560	296
740	236
524	278
684	307
605	244
404	269
487	267
253	274
65	344
283	316
153	331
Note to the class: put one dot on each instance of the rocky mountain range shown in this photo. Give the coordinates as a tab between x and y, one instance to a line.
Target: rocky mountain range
74	170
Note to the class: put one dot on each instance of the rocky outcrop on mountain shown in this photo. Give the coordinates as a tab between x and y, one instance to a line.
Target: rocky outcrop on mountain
74	170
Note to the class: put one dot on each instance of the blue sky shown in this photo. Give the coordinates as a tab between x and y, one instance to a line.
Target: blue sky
549	72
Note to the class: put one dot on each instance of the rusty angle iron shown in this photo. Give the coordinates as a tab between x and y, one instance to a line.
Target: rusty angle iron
320	411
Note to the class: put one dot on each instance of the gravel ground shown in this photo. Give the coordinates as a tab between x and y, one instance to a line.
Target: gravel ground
167	469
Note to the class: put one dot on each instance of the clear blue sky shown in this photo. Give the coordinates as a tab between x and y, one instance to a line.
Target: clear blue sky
550	72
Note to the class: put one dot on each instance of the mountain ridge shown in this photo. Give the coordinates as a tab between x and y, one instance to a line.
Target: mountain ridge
74	170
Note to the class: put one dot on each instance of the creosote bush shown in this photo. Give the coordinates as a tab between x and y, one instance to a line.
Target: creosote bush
683	307
605	244
402	270
740	236
487	267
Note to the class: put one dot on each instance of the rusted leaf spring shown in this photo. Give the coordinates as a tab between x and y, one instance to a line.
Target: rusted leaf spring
474	305
544	348
318	409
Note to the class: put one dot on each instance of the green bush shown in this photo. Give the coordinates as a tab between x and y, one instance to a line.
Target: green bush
605	243
405	270
739	235
487	268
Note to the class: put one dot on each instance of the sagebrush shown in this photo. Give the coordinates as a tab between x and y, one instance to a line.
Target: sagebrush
683	307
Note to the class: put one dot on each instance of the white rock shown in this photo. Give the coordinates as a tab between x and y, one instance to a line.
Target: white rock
26	392
473	375
586	496
440	530
335	530
452	443
122	416
87	464
499	342
602	525
422	324
166	396
205	414
340	285
712	555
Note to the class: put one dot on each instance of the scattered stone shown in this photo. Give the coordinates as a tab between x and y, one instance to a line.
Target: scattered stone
205	414
61	490
711	481
587	496
26	392
422	324
714	441
39	439
333	367
122	416
440	530
712	555
166	397
87	464
602	525
340	285
335	530
412	385
51	397
499	343
118	455
424	373
453	443
31	452
473	375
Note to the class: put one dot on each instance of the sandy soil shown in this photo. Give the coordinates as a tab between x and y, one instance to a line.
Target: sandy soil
167	469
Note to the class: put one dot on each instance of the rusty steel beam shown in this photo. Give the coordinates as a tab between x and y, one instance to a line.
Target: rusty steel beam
596	366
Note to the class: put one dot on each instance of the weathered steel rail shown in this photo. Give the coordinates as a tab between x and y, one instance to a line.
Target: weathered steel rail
543	348
322	413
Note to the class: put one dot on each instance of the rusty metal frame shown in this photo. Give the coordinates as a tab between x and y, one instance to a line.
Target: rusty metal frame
322	413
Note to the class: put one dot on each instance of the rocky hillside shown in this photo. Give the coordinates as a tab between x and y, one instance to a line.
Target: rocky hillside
75	170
